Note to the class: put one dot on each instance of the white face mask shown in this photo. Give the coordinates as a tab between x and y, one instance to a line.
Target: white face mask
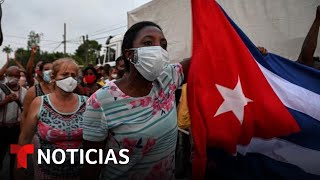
22	81
150	61
12	80
114	76
68	84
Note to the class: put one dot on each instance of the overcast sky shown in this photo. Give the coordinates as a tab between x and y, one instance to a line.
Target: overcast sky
97	18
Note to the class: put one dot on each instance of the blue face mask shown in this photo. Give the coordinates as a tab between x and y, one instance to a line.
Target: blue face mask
47	75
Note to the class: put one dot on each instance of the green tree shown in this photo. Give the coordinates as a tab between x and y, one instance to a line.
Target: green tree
24	55
48	56
33	39
78	59
7	49
87	52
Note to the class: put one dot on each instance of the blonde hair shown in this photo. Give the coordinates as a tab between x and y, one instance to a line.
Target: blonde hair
58	64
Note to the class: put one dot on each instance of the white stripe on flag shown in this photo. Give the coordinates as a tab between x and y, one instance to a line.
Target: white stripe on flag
285	151
293	96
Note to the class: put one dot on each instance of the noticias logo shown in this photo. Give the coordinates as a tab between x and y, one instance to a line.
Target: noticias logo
23	151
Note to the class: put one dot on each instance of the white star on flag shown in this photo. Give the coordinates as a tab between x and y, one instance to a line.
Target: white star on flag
234	100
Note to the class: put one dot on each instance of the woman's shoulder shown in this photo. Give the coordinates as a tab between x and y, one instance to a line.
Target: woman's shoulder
110	90
31	90
171	71
30	93
175	66
36	102
171	77
106	96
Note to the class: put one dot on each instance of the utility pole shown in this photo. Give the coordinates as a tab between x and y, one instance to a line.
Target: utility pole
87	48
65	39
86	45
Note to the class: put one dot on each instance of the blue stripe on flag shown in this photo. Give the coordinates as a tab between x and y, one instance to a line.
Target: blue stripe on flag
310	131
303	76
263	166
252	166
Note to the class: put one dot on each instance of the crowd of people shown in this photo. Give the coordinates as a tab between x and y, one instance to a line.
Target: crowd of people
130	106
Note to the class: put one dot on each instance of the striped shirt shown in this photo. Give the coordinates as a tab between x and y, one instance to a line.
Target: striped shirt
146	126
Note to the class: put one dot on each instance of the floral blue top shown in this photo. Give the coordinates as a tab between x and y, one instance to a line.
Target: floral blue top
147	126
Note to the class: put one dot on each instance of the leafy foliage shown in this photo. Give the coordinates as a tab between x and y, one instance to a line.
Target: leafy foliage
86	53
88	50
23	56
33	39
7	49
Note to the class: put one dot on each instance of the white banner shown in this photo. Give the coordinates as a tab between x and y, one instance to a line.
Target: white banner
280	26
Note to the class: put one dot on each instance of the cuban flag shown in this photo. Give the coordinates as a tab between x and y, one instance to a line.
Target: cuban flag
262	111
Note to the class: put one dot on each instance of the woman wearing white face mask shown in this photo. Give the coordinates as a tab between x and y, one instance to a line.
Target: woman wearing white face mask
55	120
23	80
137	112
40	89
113	75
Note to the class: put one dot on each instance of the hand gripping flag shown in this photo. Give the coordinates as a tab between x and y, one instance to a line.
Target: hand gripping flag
232	95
